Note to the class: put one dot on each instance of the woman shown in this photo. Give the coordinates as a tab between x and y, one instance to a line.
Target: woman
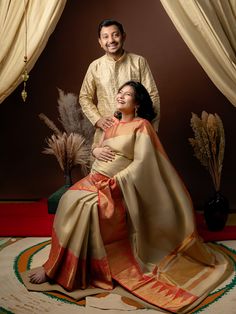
131	220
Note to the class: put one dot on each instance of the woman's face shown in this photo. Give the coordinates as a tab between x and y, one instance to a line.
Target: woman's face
126	100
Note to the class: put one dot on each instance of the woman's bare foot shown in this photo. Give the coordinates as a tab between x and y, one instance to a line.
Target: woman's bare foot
38	276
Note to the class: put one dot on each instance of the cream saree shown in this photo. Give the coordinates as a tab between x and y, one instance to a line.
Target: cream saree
131	222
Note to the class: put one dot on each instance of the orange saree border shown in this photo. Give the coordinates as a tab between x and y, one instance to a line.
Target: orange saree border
72	272
126	271
121	262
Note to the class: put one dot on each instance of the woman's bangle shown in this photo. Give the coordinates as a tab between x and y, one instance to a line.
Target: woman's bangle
92	149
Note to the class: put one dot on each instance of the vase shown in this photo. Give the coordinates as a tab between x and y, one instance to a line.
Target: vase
68	178
216	211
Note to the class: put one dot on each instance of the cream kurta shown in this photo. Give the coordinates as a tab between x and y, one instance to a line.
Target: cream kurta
103	79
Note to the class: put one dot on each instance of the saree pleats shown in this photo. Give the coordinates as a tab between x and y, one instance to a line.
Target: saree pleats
131	222
77	248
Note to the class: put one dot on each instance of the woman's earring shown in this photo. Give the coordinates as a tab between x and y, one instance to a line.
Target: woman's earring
136	111
118	115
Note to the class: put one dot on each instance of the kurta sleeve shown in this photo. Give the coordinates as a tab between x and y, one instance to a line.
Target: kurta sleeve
87	96
148	81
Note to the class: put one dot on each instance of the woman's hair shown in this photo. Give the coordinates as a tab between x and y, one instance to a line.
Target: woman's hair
145	108
109	22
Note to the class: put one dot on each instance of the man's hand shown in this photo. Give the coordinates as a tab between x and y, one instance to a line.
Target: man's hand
104	123
103	153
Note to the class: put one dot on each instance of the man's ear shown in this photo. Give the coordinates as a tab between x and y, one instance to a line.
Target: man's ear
124	37
99	40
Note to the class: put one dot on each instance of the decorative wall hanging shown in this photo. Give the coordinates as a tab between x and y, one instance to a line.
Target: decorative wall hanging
25	75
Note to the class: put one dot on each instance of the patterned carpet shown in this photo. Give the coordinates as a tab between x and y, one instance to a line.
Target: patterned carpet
19	255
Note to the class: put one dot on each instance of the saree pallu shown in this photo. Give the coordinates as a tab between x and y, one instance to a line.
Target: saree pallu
131	222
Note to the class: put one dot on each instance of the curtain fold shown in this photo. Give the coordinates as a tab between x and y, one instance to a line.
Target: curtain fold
42	18
208	27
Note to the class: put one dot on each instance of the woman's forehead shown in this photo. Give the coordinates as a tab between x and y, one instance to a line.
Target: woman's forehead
127	88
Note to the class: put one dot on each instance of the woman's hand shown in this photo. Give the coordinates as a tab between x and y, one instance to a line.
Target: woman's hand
103	153
104	123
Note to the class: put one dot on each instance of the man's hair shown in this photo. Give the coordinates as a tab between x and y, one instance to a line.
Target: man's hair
109	22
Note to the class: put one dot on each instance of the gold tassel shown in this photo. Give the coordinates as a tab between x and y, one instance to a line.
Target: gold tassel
25	75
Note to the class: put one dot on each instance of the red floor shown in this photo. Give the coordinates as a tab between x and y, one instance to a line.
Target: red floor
25	219
32	219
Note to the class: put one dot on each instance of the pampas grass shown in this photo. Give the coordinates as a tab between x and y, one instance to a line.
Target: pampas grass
49	123
72	117
71	146
209	144
69	151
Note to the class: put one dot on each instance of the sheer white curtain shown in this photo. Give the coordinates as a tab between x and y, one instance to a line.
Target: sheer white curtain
209	29
42	17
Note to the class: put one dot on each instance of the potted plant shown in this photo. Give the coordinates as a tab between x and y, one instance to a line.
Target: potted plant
72	146
209	147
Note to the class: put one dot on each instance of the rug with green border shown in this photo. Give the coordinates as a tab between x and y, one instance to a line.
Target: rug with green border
218	301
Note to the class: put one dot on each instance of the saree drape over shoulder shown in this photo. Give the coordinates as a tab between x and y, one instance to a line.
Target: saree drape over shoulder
131	222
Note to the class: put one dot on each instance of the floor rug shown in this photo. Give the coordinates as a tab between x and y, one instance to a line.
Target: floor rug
26	253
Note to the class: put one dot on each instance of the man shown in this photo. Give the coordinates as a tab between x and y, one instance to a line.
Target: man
106	74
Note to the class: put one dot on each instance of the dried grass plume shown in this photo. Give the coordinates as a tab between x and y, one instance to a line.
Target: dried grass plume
71	146
69	151
72	118
209	143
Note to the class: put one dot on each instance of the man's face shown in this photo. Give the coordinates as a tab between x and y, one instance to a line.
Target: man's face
111	40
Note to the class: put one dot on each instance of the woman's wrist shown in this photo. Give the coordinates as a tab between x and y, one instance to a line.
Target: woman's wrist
92	151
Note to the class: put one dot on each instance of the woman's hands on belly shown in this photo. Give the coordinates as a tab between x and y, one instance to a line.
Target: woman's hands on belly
103	153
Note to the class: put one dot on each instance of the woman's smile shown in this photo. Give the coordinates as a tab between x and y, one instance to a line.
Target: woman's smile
126	100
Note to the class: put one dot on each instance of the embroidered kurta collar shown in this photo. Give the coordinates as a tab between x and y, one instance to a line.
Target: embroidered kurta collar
122	57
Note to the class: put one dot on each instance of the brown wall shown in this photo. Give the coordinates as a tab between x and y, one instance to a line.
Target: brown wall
184	88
